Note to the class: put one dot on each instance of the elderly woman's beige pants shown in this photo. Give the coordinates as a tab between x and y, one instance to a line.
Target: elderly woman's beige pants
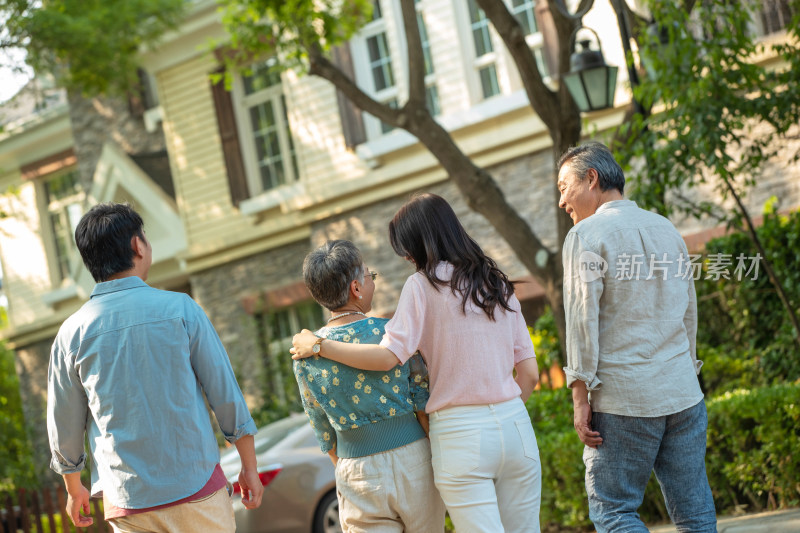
390	492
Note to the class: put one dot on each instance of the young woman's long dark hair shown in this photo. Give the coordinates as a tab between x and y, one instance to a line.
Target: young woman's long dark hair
427	231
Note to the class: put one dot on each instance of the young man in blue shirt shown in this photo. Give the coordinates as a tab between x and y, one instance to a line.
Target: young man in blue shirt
130	370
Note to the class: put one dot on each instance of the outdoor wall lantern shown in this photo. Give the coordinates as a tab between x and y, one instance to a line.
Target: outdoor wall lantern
590	81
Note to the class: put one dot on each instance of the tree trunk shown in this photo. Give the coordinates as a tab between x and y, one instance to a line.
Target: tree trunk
480	190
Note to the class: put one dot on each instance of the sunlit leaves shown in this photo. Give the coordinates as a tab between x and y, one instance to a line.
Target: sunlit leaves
718	109
90	45
289	29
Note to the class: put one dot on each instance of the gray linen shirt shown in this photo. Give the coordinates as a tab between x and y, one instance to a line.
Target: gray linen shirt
631	312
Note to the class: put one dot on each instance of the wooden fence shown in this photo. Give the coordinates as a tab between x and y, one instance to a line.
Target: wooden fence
39	511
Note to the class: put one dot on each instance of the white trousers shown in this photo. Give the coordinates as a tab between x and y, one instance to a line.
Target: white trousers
486	467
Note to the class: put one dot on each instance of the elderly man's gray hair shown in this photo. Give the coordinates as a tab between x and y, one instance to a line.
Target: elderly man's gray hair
328	271
597	156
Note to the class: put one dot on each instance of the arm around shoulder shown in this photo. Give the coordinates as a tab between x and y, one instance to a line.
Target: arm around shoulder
363	356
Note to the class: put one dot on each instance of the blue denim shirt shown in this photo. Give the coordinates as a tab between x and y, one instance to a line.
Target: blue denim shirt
130	369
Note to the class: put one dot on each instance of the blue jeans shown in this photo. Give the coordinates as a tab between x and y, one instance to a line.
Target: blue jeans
618	470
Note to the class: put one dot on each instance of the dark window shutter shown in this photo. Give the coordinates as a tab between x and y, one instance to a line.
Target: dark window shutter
544	19
229	137
352	119
140	97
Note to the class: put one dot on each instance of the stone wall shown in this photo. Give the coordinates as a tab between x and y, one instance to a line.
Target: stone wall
98	120
526	182
223	292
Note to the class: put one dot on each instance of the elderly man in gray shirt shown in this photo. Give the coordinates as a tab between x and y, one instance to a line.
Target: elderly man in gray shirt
631	362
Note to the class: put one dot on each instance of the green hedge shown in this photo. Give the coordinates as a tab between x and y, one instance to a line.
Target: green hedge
561	451
754	448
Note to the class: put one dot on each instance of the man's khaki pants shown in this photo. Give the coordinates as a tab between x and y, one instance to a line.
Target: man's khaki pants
212	514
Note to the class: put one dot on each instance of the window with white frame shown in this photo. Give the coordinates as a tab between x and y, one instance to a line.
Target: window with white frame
488	61
64	197
431	92
282	324
374	69
524	12
772	16
267	146
485	58
275	329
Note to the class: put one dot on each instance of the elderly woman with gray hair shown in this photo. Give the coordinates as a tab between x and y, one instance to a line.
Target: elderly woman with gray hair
365	420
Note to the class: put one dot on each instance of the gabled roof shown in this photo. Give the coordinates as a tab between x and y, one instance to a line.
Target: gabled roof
118	178
35	98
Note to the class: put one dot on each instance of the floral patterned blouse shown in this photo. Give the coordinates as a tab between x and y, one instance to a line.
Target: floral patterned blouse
338	397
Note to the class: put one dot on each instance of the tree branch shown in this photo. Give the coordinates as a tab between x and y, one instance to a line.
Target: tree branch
484	196
416	59
320	66
542	99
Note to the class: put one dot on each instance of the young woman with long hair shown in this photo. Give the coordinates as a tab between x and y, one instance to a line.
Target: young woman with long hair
459	311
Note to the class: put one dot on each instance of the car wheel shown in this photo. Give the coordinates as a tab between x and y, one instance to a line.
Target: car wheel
326	519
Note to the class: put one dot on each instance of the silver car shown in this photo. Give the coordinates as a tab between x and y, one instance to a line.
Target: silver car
299	483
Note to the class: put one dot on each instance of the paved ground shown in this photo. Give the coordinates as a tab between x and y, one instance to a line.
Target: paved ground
774	522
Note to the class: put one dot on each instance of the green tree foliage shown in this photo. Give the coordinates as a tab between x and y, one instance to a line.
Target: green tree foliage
745	336
16	460
291	28
91	45
721	112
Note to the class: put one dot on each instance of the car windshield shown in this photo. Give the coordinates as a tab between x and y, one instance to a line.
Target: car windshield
272	434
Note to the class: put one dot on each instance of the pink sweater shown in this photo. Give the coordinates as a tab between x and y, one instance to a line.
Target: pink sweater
470	358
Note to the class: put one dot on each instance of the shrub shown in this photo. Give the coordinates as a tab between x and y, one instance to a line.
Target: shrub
727	368
744	317
544	335
561	451
754	448
16	459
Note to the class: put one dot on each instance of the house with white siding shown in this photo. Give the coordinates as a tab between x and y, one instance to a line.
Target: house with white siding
259	175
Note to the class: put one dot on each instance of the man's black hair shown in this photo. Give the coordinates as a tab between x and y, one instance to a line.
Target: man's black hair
104	238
